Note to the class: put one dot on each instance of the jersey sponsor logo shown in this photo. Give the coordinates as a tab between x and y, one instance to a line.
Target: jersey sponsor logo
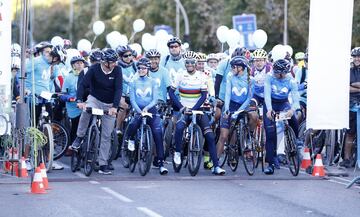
158	82
282	90
238	92
143	93
111	78
45	74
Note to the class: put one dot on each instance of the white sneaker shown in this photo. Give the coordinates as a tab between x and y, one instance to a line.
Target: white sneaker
163	170
218	171
131	145
177	158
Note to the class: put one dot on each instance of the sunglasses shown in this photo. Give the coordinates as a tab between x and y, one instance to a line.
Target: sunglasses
174	46
142	68
192	62
236	67
126	56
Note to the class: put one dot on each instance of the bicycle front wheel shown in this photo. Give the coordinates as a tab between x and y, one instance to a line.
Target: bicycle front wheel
47	151
233	151
248	152
291	151
195	150
90	154
61	139
145	151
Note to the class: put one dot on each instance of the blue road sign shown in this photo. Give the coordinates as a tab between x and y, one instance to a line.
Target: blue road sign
246	25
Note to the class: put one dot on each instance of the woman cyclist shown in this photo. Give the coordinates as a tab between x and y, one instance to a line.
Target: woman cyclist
143	98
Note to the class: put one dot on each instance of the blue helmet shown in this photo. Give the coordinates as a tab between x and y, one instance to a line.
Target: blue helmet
121	50
281	66
75	59
109	55
239	61
95	55
144	62
355	52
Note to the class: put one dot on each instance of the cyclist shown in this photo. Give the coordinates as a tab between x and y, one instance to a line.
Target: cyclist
354	99
69	89
212	62
43	48
301	77
193	93
278	85
174	61
239	90
161	76
143	98
105	82
44	70
128	68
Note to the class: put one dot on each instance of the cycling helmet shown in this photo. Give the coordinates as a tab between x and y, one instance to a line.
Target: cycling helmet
190	55
77	58
239	51
212	56
152	53
174	40
40	47
239	61
355	52
109	55
281	66
59	52
201	57
121	50
144	62
259	54
15	49
300	56
67	44
95	55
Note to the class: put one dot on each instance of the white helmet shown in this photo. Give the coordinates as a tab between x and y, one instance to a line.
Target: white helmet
15	49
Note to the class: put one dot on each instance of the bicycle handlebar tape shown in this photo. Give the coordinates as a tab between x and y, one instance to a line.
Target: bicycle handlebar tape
37	185
318	167
306	161
44	176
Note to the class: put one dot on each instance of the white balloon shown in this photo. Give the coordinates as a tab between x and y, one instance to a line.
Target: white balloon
123	40
138	25
148	41
161	35
98	27
288	49
163	49
233	38
185	45
113	39
259	38
70	53
84	45
278	52
221	33
57	40
137	47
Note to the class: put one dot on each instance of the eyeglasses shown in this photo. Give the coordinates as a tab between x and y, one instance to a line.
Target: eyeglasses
192	62
142	68
236	67
173	46
126	56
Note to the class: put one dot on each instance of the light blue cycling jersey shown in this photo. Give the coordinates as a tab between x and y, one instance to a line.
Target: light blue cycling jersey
279	89
302	91
127	73
162	79
223	69
143	93
42	74
237	90
70	88
173	65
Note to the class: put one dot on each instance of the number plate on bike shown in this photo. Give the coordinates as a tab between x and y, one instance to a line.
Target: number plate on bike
282	116
95	111
46	95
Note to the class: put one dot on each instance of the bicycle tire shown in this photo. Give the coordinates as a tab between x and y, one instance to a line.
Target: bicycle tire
48	149
259	140
61	139
248	152
233	152
168	136
124	152
223	156
291	151
195	150
91	149
4	124
114	146
145	153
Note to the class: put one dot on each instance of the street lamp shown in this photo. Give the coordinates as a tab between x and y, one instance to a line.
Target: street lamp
186	20
285	36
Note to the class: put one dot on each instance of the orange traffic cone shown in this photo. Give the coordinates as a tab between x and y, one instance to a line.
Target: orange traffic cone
306	161
37	186
318	167
24	172
44	176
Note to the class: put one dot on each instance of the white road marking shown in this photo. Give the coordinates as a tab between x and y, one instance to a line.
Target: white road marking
117	195
94	182
81	175
148	212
